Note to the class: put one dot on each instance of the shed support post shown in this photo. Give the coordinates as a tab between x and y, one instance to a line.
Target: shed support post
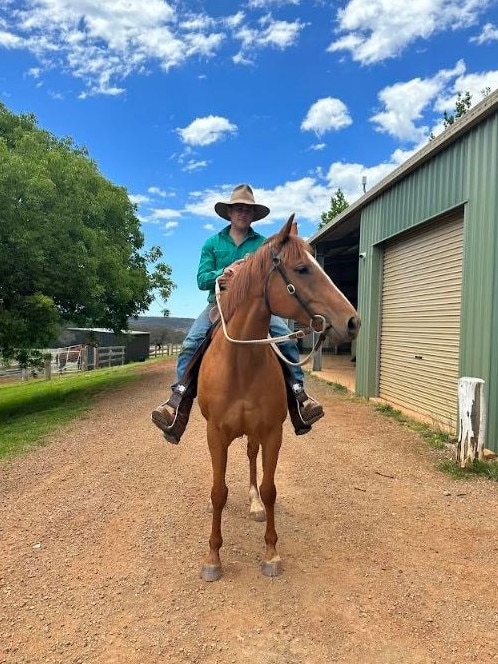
317	357
472	421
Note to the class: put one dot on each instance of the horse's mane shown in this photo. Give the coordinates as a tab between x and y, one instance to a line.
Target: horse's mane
254	270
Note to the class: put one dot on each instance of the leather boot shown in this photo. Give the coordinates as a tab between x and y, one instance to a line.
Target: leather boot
172	417
303	410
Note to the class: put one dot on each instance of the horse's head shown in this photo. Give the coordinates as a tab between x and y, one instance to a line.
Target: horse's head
298	288
284	274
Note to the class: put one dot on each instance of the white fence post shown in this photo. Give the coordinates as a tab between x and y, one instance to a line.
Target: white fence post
472	420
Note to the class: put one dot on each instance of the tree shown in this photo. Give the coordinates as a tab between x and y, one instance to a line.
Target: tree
338	203
71	248
462	105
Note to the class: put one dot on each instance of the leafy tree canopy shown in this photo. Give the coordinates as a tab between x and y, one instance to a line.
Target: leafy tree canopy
70	241
338	203
462	105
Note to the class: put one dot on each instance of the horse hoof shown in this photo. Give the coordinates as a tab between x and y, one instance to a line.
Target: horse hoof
260	515
272	567
211	572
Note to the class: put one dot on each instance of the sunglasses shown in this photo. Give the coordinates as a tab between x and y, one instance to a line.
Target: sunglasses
240	207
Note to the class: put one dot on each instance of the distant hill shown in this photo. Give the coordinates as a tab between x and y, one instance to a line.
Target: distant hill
160	322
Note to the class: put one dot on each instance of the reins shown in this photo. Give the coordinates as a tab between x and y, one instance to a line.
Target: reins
298	334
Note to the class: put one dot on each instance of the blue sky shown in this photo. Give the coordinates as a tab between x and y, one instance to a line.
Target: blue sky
179	102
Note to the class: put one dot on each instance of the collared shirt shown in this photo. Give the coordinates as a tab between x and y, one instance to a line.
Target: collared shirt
218	252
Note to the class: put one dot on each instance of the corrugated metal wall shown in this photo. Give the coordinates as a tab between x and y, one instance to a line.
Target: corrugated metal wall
420	322
464	174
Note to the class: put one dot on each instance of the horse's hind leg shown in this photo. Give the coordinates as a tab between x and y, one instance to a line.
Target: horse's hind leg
211	570
272	565
256	509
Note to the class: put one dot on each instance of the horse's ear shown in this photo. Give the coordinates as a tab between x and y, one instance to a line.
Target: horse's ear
290	228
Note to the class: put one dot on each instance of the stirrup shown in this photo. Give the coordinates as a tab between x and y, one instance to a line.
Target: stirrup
309	410
174	424
162	422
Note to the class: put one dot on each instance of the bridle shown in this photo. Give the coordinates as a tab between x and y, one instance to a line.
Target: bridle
291	289
298	334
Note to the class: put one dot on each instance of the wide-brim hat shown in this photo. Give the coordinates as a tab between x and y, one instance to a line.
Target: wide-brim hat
242	194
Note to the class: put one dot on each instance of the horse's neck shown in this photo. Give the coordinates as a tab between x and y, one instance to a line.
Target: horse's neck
251	320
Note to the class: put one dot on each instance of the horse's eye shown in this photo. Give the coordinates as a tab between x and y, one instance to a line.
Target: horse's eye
302	269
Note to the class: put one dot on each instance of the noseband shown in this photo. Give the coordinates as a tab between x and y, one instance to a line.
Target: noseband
291	289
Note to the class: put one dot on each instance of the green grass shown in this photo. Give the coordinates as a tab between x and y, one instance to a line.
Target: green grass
434	437
438	440
337	387
32	410
487	469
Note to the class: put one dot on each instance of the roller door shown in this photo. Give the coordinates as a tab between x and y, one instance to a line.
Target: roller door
420	322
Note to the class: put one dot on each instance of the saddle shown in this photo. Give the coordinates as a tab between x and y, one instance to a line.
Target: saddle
186	389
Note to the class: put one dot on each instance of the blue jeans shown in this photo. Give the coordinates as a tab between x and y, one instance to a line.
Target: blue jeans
199	329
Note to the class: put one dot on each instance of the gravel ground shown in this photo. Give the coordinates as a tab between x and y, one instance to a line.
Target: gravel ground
104	531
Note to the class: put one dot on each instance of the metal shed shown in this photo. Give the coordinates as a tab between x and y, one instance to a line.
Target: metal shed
424	242
136	343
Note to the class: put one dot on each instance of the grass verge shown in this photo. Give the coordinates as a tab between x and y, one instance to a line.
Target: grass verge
439	440
30	411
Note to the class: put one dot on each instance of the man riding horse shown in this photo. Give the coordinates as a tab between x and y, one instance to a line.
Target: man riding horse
220	256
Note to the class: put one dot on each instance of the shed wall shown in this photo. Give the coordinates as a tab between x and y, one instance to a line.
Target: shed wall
464	174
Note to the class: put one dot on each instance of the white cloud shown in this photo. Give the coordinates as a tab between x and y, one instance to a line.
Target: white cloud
374	30
169	225
164	213
103	42
9	40
265	4
232	22
406	102
326	114
307	197
138	199
193	165
489	33
157	191
349	177
269	33
475	83
204	131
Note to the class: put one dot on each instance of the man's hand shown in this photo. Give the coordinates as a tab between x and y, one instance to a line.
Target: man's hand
229	271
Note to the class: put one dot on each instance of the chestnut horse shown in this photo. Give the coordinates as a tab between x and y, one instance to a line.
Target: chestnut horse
241	388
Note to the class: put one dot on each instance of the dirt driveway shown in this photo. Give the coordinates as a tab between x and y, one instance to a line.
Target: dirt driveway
103	533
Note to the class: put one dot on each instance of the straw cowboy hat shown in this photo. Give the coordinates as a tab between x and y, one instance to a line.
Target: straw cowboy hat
241	194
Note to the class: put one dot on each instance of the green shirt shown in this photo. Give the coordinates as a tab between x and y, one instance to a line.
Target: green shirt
218	252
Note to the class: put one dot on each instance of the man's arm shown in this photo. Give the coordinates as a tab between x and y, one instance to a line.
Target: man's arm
208	270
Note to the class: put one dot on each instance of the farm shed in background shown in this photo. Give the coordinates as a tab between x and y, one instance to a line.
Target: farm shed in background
136	343
424	246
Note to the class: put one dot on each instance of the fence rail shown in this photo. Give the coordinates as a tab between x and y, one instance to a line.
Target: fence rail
109	356
71	359
164	349
68	360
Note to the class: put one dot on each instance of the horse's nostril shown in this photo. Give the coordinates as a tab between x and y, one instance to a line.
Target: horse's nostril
354	323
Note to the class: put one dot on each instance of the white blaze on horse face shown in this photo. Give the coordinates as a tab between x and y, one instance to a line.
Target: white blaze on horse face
337	290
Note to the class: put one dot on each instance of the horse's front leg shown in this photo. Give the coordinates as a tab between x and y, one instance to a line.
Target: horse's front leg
272	565
256	509
211	570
